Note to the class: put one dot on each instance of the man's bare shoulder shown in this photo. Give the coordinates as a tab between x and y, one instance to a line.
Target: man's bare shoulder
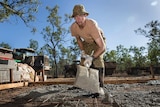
91	21
73	25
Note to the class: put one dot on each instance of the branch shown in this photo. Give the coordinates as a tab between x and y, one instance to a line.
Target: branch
7	7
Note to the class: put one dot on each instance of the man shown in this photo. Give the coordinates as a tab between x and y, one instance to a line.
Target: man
90	40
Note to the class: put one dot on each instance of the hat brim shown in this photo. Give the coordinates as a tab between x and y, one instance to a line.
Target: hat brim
74	14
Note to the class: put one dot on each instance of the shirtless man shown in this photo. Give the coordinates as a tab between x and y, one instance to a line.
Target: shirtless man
90	39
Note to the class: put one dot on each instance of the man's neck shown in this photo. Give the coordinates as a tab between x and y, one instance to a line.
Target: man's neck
82	26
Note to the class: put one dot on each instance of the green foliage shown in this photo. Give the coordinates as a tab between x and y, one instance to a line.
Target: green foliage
152	31
5	45
23	9
33	44
74	50
110	56
154	53
138	58
123	58
55	36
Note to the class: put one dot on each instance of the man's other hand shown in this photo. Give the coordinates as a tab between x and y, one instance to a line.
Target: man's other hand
88	61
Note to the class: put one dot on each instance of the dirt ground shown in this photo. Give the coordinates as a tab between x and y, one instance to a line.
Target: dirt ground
8	97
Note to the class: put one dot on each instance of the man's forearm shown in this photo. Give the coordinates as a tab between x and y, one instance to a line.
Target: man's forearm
80	44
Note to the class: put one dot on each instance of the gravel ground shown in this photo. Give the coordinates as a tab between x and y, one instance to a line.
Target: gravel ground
135	95
120	95
51	96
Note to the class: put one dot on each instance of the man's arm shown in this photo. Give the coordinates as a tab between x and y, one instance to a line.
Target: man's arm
97	53
80	44
101	47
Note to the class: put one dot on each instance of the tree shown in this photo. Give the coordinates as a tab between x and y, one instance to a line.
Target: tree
152	31
153	53
110	56
55	35
74	50
5	45
34	45
138	57
123	58
24	9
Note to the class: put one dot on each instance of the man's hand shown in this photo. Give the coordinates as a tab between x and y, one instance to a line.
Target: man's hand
88	61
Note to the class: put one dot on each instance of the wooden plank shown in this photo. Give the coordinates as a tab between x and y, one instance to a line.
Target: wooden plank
13	85
107	80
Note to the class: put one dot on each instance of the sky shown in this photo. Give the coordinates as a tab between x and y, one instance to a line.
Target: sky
117	18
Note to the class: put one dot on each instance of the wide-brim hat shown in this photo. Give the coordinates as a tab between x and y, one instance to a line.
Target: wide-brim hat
79	10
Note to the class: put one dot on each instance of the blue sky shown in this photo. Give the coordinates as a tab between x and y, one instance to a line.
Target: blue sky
117	18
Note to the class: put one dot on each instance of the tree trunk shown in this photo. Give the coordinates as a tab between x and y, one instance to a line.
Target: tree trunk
152	72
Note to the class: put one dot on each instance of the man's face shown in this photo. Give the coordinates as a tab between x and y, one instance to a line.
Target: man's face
80	19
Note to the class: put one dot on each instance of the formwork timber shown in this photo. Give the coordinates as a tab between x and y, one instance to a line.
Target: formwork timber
107	80
70	81
13	85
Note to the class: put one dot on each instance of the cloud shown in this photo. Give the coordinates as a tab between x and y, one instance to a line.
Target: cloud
154	3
